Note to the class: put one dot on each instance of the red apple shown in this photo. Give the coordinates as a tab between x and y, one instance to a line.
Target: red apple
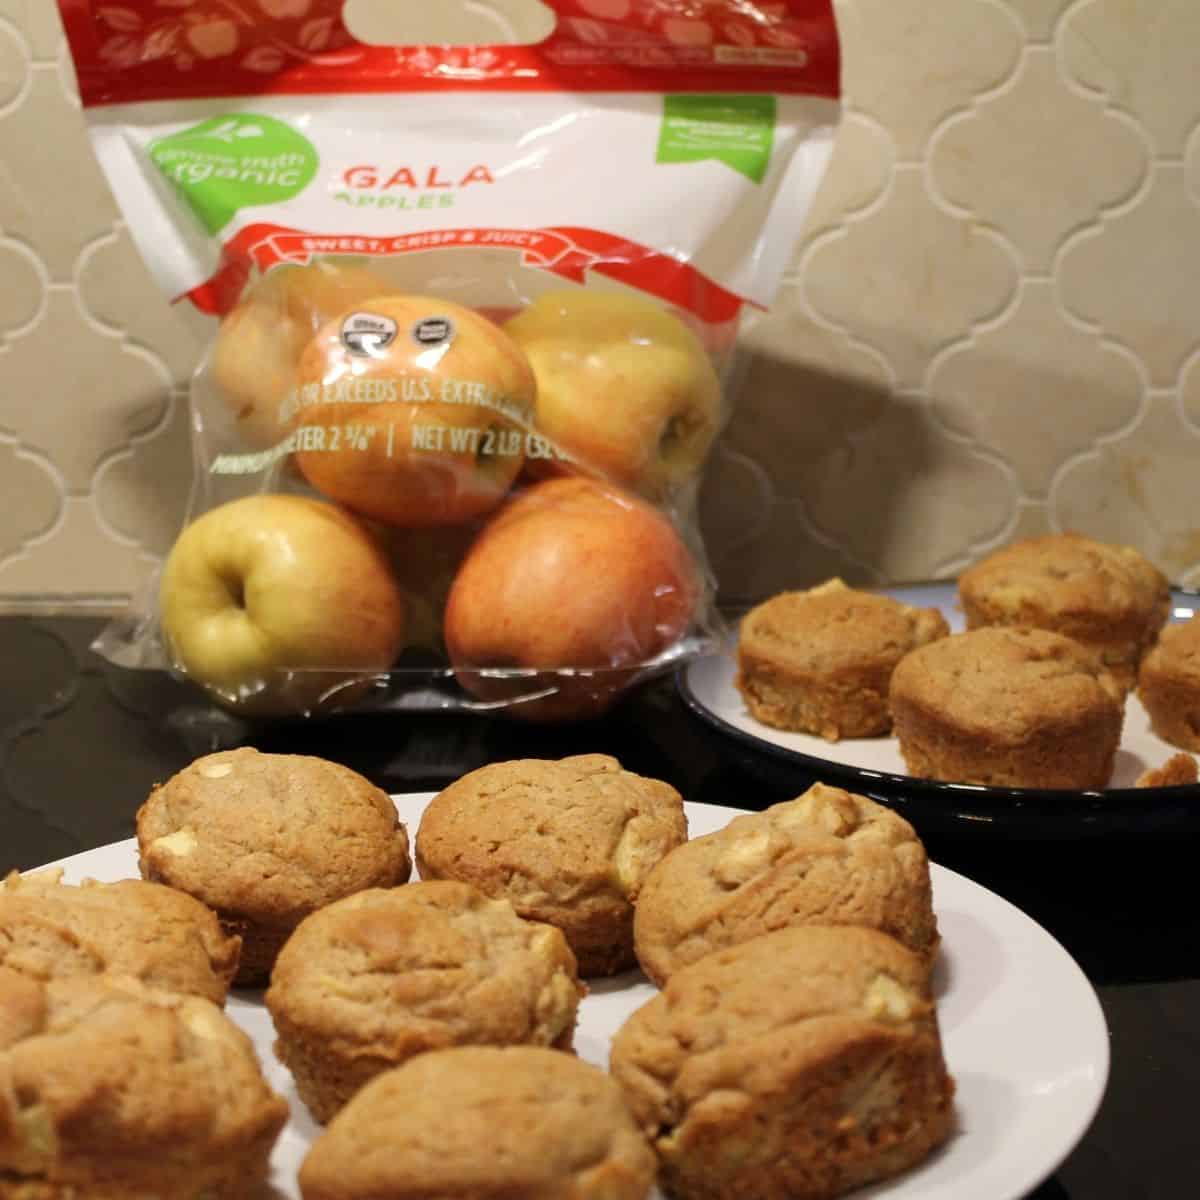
570	573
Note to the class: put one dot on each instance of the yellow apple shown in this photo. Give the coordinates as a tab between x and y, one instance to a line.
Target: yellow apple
280	604
624	386
412	411
570	573
259	343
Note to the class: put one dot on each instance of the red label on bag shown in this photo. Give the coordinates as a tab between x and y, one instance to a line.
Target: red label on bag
139	50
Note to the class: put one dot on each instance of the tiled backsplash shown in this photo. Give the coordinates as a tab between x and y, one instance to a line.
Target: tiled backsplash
992	325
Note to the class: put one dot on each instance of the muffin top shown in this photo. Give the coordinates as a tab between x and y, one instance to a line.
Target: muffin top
828	857
1176	653
53	930
745	1020
562	840
103	1076
424	966
834	627
483	1121
1000	683
270	837
1080	586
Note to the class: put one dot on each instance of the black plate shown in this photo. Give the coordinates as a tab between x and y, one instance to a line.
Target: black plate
966	808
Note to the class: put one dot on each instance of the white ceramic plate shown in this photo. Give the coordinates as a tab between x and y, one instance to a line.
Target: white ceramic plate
1025	1037
876	767
709	685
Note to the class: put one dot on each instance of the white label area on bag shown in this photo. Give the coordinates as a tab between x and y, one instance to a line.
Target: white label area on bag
530	174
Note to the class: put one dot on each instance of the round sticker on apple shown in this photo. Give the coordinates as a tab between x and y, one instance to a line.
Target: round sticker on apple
433	331
368	334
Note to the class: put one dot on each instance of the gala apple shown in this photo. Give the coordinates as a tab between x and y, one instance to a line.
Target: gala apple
259	343
412	411
571	573
624	386
280	605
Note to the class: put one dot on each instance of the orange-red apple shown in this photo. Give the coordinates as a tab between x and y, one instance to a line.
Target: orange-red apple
412	411
280	604
624	387
571	573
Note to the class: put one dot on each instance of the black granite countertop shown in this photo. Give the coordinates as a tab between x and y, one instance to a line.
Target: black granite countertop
82	742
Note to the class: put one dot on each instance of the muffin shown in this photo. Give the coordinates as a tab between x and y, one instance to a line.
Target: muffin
1108	598
568	842
1177	771
53	930
476	1122
827	858
367	982
820	661
794	1066
1169	685
1008	708
266	839
113	1090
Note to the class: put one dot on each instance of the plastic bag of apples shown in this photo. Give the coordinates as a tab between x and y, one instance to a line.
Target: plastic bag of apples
469	312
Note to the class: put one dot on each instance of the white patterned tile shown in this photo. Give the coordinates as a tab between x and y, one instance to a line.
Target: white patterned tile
1036	389
908	63
1142	56
1037	161
786	554
858	175
906	498
1137	276
15	67
140	490
38	22
1140	489
75	395
30	500
1040	16
52	195
909	278
78	557
806	390
22	288
116	291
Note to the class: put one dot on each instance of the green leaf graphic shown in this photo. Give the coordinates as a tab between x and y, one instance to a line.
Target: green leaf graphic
235	161
736	130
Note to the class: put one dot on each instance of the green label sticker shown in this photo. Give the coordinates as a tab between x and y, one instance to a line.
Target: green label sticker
235	161
736	130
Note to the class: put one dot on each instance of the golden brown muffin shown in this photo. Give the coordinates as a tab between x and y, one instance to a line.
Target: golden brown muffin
369	981
266	839
479	1123
794	1066
1108	598
568	842
1169	685
53	930
1008	708
112	1090
820	661
828	858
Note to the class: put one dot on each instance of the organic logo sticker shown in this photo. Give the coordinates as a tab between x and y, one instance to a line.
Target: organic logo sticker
368	334
736	130
235	161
